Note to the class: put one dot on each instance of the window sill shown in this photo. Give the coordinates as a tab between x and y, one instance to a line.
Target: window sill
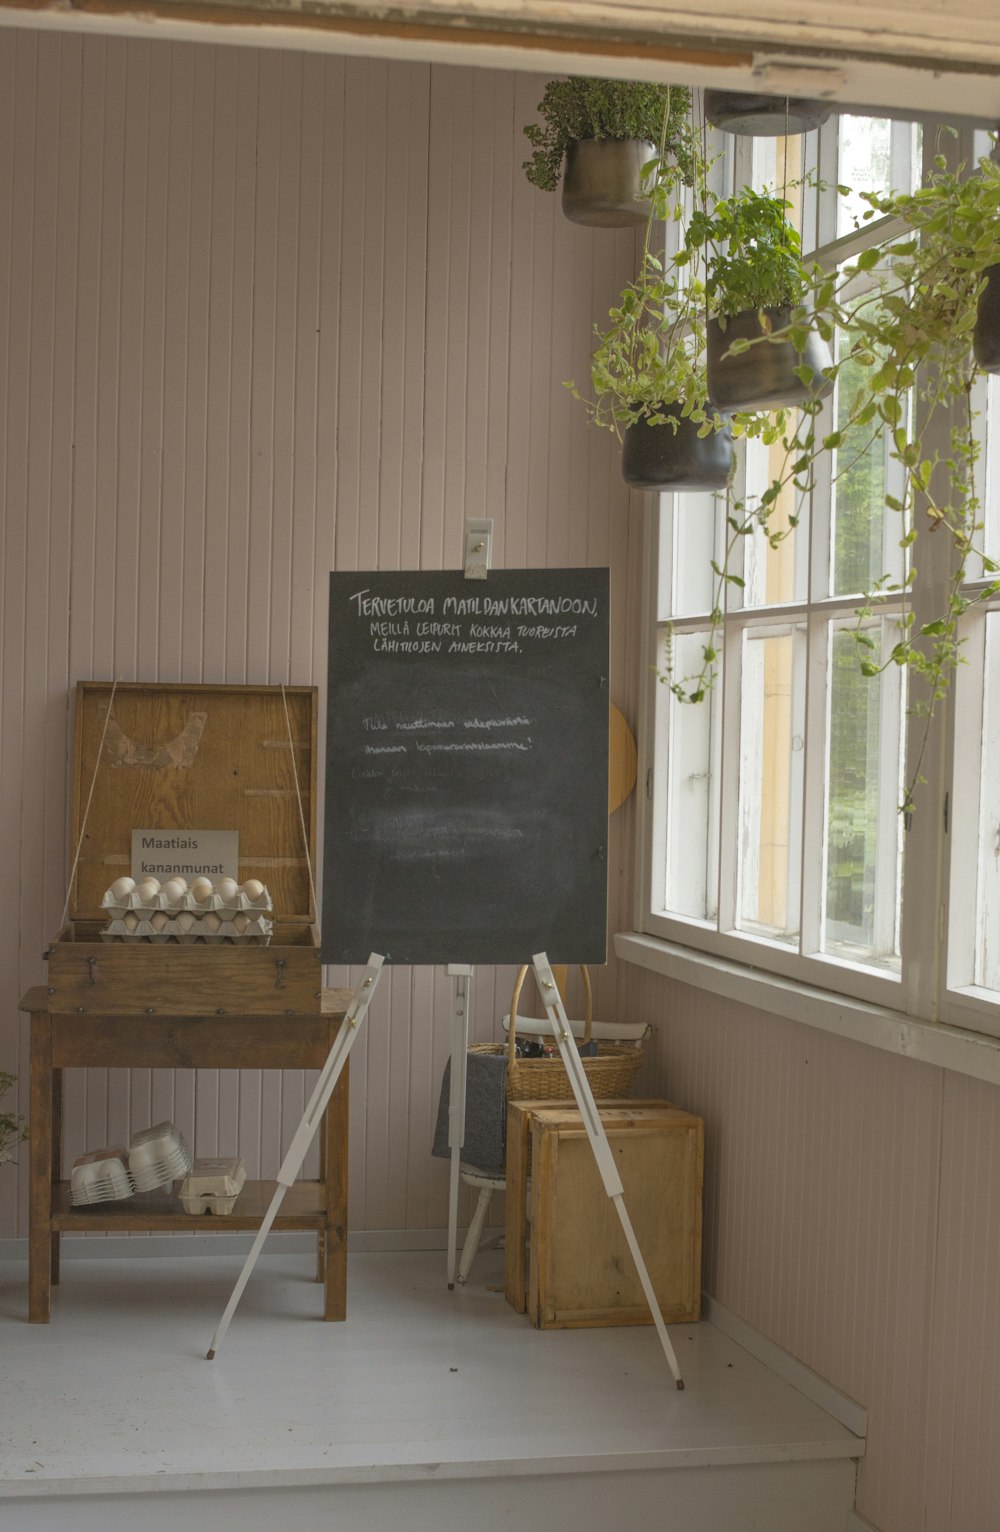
930	1042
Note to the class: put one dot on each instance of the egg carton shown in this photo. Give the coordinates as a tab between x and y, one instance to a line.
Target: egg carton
255	933
101	1176
157	1157
212	1186
131	903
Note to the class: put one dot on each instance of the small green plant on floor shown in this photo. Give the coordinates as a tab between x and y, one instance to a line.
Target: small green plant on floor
12	1127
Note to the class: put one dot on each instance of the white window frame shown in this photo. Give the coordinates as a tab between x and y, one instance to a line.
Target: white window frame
925	988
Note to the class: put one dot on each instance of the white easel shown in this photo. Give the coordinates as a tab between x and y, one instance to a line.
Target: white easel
460	975
605	1160
478	555
306	1130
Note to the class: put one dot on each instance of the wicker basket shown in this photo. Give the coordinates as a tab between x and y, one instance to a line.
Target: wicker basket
610	1072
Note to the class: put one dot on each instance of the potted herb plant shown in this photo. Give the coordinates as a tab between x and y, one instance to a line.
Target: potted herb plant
608	132
756	284
12	1128
648	385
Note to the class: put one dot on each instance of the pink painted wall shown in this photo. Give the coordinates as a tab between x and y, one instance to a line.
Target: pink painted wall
261	316
852	1214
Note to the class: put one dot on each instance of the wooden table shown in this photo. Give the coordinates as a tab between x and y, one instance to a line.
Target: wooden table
272	1041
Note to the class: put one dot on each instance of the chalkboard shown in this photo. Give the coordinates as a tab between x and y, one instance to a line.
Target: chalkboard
466	811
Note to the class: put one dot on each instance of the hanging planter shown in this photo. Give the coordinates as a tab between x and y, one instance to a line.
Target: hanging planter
756	285
986	334
755	116
664	457
602	182
599	135
766	375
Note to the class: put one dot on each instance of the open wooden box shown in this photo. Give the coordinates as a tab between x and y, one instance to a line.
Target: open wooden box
180	757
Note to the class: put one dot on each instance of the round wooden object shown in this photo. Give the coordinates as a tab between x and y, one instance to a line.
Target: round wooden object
622	760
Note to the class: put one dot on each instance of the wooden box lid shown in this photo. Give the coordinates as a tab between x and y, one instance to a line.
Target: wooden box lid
176	757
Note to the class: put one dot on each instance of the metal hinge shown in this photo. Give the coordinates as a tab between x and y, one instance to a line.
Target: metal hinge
947	813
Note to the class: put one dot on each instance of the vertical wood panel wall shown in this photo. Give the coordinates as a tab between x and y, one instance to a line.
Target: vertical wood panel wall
852	1214
263	315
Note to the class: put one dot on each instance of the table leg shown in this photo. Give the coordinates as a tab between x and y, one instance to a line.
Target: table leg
57	1130
321	1233
41	1170
334	1133
515	1227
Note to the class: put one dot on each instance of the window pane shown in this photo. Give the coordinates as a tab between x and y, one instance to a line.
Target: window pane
865	534
771	761
987	962
691	873
989	467
876	155
773	575
695	521
864	789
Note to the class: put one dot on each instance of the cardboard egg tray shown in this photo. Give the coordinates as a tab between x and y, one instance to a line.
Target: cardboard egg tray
257	932
241	905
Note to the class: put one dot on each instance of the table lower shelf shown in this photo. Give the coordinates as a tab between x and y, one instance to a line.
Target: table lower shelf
303	1207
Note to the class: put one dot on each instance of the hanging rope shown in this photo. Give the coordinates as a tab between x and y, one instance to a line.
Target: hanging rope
298	795
90	799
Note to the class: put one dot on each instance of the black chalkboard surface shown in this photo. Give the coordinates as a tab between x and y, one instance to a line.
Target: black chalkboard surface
467	767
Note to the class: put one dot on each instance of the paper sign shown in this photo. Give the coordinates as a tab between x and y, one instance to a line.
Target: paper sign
165	853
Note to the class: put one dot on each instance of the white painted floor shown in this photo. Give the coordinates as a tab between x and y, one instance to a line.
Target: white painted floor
115	1399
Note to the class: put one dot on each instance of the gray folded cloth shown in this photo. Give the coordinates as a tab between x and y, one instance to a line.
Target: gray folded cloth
485	1144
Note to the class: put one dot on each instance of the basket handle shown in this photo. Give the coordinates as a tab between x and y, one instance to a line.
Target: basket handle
522	974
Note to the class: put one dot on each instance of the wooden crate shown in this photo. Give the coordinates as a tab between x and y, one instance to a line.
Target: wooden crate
581	1271
177	757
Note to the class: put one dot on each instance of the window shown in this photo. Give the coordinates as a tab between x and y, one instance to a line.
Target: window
772	833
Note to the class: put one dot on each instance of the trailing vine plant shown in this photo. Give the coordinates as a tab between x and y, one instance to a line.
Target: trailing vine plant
906	363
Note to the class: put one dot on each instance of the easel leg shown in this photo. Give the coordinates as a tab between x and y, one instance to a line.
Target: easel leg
306	1130
460	975
556	1013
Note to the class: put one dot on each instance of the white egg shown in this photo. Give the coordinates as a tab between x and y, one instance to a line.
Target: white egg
253	889
211	922
159	921
184	921
240	923
227	889
121	888
130	921
175	890
148	889
202	889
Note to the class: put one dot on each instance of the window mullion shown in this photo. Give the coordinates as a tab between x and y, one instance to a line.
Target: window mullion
814	792
729	816
922	927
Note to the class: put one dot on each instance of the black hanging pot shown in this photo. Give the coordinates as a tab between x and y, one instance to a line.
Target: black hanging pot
764	376
756	116
659	457
986	335
602	182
